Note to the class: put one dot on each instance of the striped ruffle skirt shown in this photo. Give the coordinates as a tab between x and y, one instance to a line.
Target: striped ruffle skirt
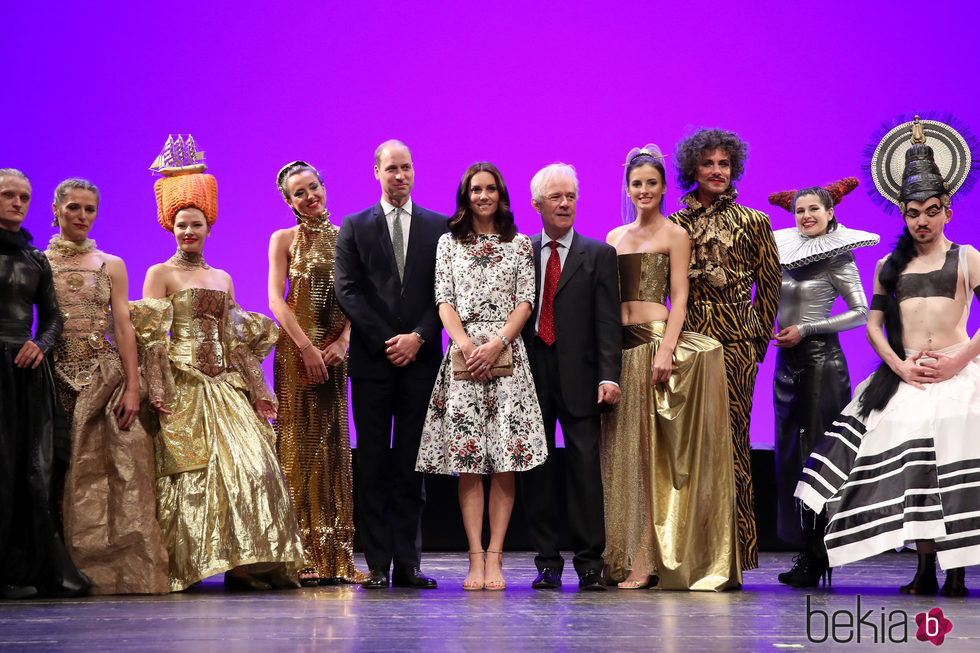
908	472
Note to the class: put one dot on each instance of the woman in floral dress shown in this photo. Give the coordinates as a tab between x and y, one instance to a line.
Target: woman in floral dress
491	422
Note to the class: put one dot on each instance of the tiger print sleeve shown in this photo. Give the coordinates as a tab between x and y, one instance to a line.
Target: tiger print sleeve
767	277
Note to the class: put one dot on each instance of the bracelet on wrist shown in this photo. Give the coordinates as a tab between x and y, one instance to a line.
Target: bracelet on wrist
306	346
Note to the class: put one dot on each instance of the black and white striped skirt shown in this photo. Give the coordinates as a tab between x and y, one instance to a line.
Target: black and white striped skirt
908	472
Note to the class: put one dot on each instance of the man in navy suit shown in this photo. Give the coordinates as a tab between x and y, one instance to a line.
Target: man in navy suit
574	344
385	278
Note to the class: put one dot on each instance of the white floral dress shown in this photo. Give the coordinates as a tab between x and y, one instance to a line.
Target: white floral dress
473	426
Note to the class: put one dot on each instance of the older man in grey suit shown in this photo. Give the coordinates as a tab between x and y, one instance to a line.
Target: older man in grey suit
574	346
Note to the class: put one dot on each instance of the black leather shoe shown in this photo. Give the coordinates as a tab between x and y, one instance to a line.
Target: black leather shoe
591	581
17	592
412	577
548	579
377	580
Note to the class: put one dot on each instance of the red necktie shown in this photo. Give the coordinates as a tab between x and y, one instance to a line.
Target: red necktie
546	324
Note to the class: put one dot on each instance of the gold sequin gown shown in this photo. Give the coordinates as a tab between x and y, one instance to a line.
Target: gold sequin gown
666	453
109	502
221	498
311	428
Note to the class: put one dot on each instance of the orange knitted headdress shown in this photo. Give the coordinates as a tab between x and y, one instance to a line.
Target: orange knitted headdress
183	183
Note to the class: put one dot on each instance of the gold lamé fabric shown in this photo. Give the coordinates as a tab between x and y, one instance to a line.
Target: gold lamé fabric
644	277
221	498
666	455
312	439
109	505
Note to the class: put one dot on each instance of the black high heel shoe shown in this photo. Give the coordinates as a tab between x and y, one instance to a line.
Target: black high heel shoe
924	582
955	585
788	577
814	571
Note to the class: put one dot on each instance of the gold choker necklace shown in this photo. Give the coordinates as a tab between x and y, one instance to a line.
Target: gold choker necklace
189	260
67	248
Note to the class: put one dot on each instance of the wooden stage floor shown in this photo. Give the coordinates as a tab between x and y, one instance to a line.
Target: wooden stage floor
763	616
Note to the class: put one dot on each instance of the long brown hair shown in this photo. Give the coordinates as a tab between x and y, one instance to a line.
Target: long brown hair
461	223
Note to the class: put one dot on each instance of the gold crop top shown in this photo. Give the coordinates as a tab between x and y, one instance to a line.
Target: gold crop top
644	277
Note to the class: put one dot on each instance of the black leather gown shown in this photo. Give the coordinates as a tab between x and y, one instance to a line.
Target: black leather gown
34	437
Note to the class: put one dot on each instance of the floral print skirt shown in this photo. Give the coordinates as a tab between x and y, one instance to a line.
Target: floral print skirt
477	427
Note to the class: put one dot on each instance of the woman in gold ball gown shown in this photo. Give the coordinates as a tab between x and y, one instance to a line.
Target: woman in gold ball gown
311	379
222	501
109	504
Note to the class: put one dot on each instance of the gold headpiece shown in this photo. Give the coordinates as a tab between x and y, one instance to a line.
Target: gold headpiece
184	183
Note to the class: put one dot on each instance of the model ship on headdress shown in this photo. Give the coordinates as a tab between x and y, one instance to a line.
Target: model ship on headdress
179	157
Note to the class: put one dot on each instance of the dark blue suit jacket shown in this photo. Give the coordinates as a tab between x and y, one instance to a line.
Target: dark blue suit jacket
377	303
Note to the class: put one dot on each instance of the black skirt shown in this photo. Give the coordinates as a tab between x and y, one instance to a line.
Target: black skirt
34	452
810	388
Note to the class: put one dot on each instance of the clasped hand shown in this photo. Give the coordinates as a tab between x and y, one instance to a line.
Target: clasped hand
480	360
941	368
402	349
788	337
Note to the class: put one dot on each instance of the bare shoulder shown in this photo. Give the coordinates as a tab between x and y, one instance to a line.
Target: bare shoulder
675	232
615	235
284	236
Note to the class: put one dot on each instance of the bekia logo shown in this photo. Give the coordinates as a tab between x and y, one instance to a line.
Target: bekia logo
873	626
932	626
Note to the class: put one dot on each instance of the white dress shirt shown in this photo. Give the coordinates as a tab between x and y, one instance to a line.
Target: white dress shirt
564	243
406	219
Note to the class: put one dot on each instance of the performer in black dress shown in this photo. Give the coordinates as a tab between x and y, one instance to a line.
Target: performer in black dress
34	438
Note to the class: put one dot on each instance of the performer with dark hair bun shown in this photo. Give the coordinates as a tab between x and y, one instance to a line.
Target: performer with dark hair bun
221	499
110	506
34	439
311	379
733	250
811	384
901	464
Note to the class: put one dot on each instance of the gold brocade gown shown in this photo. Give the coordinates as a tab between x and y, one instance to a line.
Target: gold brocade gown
221	498
666	453
311	428
110	521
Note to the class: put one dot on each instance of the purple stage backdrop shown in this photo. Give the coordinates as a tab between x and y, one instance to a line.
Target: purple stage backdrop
93	91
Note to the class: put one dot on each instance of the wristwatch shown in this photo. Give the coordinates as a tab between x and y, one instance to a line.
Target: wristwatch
505	339
419	336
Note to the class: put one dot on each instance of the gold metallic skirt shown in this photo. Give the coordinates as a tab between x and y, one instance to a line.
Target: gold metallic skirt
667	467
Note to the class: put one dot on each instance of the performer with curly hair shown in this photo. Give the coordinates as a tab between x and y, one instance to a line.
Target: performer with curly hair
733	250
901	464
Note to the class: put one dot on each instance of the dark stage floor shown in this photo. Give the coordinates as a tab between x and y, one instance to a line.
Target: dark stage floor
763	616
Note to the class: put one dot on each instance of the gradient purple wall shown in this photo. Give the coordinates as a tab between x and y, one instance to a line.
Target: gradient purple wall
93	92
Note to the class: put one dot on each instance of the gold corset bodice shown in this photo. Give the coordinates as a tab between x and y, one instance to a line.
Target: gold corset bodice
83	297
644	277
195	333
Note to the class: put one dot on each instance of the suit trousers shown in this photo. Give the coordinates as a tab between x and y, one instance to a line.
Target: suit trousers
388	417
583	477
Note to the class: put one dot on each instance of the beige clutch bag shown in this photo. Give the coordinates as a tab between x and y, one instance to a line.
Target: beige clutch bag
503	366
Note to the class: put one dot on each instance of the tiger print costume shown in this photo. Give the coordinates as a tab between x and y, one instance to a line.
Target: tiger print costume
732	249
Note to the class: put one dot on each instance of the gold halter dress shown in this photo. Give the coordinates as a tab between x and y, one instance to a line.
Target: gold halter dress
109	507
311	428
667	466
